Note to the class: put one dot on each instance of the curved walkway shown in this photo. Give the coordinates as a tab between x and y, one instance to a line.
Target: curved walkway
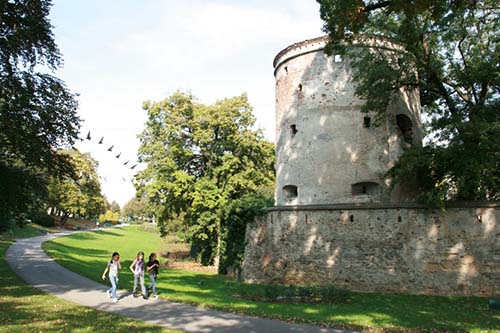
31	263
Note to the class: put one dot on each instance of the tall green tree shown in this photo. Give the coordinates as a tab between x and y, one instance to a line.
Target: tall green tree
199	159
137	208
451	53
115	207
79	196
37	112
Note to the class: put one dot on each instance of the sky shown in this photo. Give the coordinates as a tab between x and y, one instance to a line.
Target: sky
118	54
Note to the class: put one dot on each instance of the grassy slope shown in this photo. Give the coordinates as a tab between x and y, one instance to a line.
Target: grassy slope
26	309
29	230
87	253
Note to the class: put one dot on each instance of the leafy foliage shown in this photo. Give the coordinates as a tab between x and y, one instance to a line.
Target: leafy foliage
115	207
37	112
235	217
79	195
137	209
109	216
450	51
199	159
22	192
41	218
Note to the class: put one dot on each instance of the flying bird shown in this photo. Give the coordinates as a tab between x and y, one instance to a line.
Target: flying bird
132	167
88	136
126	163
118	156
100	141
110	148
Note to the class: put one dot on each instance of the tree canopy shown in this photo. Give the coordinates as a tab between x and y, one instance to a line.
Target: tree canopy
115	207
451	53
137	208
79	196
199	159
37	112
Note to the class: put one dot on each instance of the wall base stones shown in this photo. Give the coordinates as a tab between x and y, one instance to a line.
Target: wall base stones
378	249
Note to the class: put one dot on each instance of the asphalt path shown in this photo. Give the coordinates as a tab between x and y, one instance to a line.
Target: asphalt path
32	264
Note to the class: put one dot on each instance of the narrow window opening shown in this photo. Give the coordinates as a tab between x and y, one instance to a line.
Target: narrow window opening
290	192
286	69
351	218
293	128
300	87
405	125
365	188
337	58
367	122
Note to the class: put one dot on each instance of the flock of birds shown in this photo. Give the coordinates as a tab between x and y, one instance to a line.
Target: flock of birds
110	149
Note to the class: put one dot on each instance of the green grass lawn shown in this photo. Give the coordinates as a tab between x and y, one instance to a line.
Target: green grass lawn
29	230
87	253
27	309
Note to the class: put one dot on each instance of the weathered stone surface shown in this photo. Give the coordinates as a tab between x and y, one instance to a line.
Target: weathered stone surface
339	223
389	250
323	145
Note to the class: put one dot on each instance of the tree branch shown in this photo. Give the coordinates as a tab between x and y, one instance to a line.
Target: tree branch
460	93
466	68
375	6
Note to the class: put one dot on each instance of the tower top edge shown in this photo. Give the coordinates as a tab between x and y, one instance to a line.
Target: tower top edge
319	43
301	47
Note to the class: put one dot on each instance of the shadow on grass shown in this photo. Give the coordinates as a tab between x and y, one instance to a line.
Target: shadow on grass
109	233
26	309
404	312
59	250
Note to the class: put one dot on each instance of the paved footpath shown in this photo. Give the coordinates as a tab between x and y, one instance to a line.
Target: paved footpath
32	264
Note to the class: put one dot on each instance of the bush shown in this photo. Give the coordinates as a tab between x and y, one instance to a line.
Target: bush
236	216
293	294
148	227
43	219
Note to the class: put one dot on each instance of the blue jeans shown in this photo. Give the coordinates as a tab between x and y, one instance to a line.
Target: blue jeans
139	278
114	284
152	277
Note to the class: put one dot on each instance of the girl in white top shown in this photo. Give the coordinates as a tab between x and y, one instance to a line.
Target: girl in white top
113	266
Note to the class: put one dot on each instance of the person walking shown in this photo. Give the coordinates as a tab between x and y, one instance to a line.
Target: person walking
153	267
137	268
112	267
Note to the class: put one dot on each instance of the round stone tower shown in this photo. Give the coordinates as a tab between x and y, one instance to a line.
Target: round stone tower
327	150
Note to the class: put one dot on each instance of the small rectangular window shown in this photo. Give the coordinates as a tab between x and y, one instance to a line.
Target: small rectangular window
293	128
290	191
365	188
367	122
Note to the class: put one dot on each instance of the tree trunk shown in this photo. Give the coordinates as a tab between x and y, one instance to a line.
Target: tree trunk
64	218
219	241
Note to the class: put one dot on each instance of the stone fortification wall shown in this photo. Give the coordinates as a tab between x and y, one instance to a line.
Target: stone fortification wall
376	248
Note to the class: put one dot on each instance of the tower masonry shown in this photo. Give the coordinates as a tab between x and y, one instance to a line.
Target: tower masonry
327	150
337	221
